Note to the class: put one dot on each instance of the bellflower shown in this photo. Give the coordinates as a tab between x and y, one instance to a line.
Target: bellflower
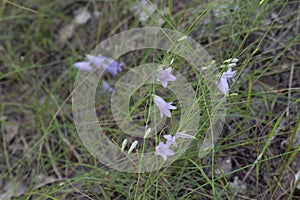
223	80
164	76
164	150
229	74
83	66
97	61
110	65
171	140
163	106
114	67
223	85
101	62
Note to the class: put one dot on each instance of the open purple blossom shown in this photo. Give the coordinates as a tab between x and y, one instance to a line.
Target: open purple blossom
114	67
101	62
163	106
111	66
164	150
171	140
164	76
83	66
229	74
97	61
222	83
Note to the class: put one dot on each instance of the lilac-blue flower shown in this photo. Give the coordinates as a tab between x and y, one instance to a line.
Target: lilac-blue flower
164	150
171	140
229	74
83	66
111	66
163	106
222	83
164	76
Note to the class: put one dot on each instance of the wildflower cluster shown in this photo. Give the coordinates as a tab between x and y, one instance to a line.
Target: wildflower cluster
102	63
163	77
163	149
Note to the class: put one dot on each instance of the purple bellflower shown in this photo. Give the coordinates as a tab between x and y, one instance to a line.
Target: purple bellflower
101	62
164	76
111	66
83	66
222	83
163	106
164	150
171	139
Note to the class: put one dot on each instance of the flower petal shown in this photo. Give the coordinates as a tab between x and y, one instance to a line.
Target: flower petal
171	140
111	66
83	66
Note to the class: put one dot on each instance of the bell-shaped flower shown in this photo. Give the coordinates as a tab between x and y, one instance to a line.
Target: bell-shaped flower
114	67
163	106
222	83
164	150
111	66
83	66
97	61
164	76
229	74
171	140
